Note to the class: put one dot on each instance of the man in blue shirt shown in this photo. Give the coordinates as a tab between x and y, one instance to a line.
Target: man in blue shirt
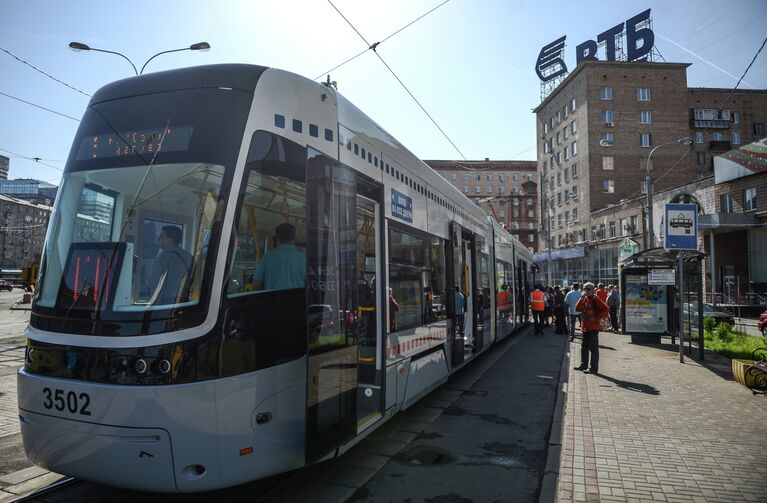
572	298
459	309
171	268
284	267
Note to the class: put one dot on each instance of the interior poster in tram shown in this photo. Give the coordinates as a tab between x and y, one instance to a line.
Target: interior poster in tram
646	309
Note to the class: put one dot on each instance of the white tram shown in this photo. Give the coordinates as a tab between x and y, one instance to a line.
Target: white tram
201	380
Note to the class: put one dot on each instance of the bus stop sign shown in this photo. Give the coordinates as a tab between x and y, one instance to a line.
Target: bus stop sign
681	226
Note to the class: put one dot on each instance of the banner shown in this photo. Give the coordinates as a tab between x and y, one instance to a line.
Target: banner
646	310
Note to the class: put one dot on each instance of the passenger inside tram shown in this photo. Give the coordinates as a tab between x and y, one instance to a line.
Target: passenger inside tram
171	268
283	267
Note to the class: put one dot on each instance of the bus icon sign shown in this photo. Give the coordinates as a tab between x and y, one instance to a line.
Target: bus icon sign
681	227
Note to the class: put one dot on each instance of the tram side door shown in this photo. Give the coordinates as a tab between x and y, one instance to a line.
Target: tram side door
370	306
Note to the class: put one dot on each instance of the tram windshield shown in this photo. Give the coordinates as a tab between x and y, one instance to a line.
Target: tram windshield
136	222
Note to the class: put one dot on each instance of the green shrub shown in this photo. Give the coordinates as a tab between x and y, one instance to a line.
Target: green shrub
724	332
709	323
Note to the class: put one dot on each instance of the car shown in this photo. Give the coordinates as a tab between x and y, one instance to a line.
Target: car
712	312
762	323
4	285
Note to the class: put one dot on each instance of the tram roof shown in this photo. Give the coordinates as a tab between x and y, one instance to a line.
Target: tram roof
235	76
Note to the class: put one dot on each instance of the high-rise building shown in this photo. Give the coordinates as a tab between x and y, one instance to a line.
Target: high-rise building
595	133
29	189
23	232
4	164
506	190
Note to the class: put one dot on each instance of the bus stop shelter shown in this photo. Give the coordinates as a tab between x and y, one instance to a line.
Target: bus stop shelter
656	284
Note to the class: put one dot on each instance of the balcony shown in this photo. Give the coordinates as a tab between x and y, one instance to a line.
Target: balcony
719	145
710	123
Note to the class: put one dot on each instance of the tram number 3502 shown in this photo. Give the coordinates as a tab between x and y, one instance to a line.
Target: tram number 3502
71	401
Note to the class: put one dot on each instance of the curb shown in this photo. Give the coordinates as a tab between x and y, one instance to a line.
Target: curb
550	482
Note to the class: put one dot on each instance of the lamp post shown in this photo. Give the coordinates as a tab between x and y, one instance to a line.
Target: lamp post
78	46
648	182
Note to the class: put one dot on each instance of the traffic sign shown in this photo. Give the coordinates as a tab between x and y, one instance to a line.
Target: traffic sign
681	226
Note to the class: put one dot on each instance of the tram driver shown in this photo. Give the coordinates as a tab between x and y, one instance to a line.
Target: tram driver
171	268
284	267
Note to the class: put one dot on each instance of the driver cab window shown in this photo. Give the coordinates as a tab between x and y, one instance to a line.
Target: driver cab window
270	233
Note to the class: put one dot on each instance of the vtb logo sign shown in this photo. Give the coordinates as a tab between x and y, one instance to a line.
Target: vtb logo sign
639	42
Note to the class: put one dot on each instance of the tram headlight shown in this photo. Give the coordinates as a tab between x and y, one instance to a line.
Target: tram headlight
163	366
140	366
30	355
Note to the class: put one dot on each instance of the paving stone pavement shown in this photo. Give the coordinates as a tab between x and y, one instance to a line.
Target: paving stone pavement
650	428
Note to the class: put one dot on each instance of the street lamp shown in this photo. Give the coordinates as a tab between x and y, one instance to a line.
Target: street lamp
78	46
648	182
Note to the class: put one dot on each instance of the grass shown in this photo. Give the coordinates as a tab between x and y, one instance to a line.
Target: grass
723	340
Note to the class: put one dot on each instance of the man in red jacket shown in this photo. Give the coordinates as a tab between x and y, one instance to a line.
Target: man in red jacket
592	311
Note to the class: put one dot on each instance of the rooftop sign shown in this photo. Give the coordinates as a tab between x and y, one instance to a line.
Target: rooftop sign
639	42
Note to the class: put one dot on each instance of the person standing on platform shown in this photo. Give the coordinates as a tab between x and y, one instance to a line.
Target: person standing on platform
571	299
592	310
538	306
601	292
614	302
559	311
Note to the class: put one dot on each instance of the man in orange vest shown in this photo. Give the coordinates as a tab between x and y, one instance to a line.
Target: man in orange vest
592	311
538	305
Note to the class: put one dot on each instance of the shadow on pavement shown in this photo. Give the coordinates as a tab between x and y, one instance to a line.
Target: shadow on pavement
632	386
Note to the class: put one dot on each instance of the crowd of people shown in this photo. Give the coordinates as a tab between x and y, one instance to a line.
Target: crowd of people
594	308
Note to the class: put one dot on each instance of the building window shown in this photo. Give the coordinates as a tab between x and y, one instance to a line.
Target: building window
465	189
574	171
530	202
607	140
572	105
759	129
530	213
736	138
575	214
612	229
606	93
454	177
502	178
490	177
566	173
501	189
531	239
643	94
564	134
566	154
607	117
529	177
608	186
465	177
634	221
645	117
624	230
564	112
545	127
575	192
725	201
701	157
749	199
477	189
574	148
559	138
489	189
479	177
700	137
645	140
736	117
717	136
608	162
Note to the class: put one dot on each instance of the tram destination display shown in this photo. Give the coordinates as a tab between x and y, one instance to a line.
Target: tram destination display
137	142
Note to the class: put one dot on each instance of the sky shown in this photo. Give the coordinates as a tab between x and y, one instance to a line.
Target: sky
469	63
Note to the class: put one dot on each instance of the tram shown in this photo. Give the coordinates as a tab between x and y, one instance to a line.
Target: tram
148	376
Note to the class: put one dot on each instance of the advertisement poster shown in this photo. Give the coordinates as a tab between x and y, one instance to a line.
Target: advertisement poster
646	310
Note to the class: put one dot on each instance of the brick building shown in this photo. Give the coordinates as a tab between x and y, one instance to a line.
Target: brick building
506	190
595	133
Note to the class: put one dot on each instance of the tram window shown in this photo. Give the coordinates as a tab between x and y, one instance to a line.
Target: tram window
329	134
356	149
348	144
271	222
362	152
417	279
370	158
279	121
298	126
314	130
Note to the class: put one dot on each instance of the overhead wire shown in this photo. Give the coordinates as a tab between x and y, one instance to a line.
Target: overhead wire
373	47
39	106
43	72
36	159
